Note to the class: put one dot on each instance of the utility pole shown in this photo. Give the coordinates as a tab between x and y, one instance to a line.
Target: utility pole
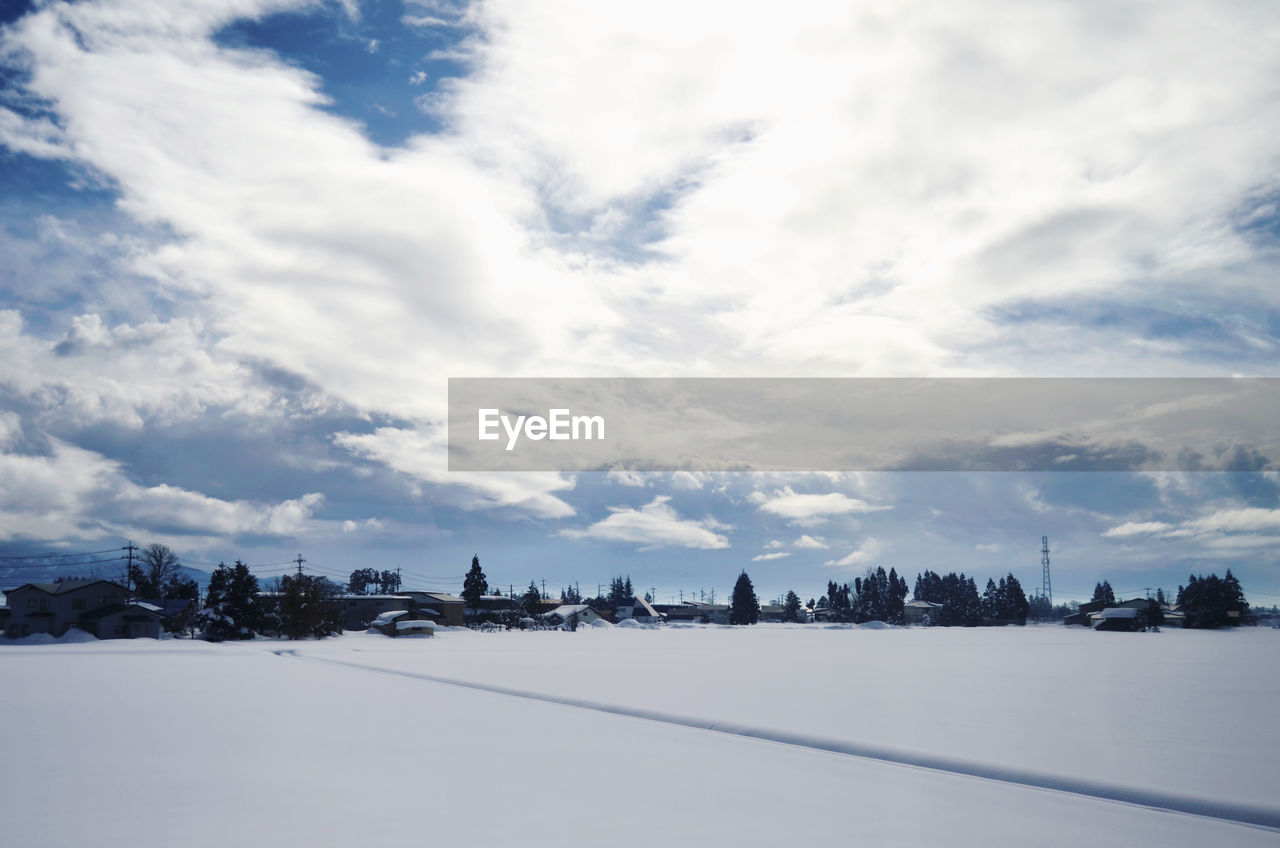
299	561
1047	587
397	578
128	573
544	587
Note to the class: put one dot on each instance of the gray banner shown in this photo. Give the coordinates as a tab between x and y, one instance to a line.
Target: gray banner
818	424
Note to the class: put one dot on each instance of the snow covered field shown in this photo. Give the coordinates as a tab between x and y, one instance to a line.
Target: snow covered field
354	740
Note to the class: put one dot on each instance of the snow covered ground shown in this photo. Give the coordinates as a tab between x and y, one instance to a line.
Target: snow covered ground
354	740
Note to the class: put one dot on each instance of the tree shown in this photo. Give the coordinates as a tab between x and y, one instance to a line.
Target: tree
157	564
1102	592
571	595
532	599
791	607
358	582
1211	602
309	607
474	585
231	606
745	606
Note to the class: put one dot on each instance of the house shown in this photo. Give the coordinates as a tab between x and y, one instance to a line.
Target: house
638	609
920	612
404	623
359	610
54	608
135	620
570	616
709	613
449	609
1118	618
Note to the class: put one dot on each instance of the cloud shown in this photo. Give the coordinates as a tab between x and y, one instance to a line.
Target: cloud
811	542
655	524
1136	528
770	556
421	455
623	477
689	481
864	553
991	548
76	493
773	544
812	510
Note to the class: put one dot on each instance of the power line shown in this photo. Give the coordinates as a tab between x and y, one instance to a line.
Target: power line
51	556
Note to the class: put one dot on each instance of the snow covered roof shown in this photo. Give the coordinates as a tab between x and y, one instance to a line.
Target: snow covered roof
1119	612
922	605
566	610
414	625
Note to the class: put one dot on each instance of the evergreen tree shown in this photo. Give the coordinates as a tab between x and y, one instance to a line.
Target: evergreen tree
1016	608
1208	602
231	606
531	601
571	595
1102	592
791	607
745	606
474	585
309	607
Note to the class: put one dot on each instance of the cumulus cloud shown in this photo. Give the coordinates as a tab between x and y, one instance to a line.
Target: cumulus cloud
623	477
656	524
770	556
811	510
689	480
811	542
421	455
861	555
73	492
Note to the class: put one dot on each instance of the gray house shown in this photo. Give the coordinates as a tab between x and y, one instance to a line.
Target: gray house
55	608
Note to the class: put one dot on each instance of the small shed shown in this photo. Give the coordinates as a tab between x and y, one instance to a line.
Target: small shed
404	623
1118	618
571	615
920	612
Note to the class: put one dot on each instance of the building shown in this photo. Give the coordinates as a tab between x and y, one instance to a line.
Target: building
100	607
571	615
404	623
358	611
135	620
920	612
639	609
1118	618
449	609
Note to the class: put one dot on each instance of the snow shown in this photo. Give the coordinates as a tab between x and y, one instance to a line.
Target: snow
262	733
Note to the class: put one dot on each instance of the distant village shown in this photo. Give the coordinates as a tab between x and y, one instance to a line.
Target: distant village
155	599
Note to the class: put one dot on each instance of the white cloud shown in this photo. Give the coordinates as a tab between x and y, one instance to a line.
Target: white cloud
773	544
623	477
656	524
73	492
770	556
1137	528
816	543
689	481
811	510
421	454
861	555
991	548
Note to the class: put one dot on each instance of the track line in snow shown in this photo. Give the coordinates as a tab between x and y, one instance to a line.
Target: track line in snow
1242	814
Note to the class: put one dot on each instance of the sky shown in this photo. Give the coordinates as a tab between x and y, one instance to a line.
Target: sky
244	244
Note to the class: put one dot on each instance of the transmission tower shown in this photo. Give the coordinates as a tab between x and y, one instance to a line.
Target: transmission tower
1047	588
